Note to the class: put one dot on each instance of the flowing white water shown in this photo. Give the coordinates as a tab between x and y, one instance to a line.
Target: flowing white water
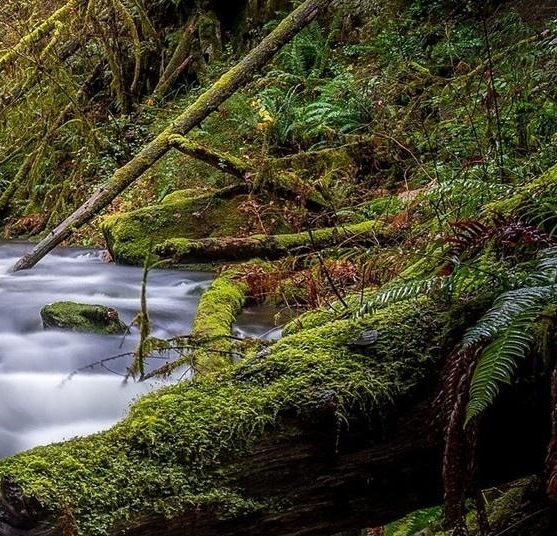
38	404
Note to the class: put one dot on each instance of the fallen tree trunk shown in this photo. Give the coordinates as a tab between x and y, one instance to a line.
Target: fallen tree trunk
270	247
208	102
305	439
322	492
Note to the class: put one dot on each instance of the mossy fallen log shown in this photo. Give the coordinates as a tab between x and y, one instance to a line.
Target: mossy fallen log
309	439
211	333
533	200
271	246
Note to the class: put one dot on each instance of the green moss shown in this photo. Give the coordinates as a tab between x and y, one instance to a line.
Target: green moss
82	317
131	236
218	308
529	197
174	451
310	319
326	236
179	196
336	311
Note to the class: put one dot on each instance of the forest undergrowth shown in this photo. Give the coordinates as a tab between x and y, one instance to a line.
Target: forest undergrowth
437	121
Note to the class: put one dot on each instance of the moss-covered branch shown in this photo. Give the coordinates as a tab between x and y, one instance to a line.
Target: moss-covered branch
212	328
222	161
272	246
211	335
178	61
279	181
205	104
41	31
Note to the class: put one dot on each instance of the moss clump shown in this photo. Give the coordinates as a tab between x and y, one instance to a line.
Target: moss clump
310	319
174	451
82	317
218	308
334	311
131	236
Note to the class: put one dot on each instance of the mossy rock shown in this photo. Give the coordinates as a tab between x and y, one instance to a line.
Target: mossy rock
131	236
82	317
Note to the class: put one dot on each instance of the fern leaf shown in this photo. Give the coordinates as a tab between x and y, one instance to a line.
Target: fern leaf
400	292
505	310
499	361
414	522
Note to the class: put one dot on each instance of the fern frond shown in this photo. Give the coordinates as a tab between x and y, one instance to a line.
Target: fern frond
415	522
504	312
546	272
508	325
499	361
397	293
456	188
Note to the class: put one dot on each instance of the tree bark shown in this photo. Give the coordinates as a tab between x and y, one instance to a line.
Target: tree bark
208	102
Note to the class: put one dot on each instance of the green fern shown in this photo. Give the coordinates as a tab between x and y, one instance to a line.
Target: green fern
415	522
505	312
398	292
466	278
508	330
498	362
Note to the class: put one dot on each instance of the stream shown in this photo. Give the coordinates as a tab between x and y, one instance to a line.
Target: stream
39	402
